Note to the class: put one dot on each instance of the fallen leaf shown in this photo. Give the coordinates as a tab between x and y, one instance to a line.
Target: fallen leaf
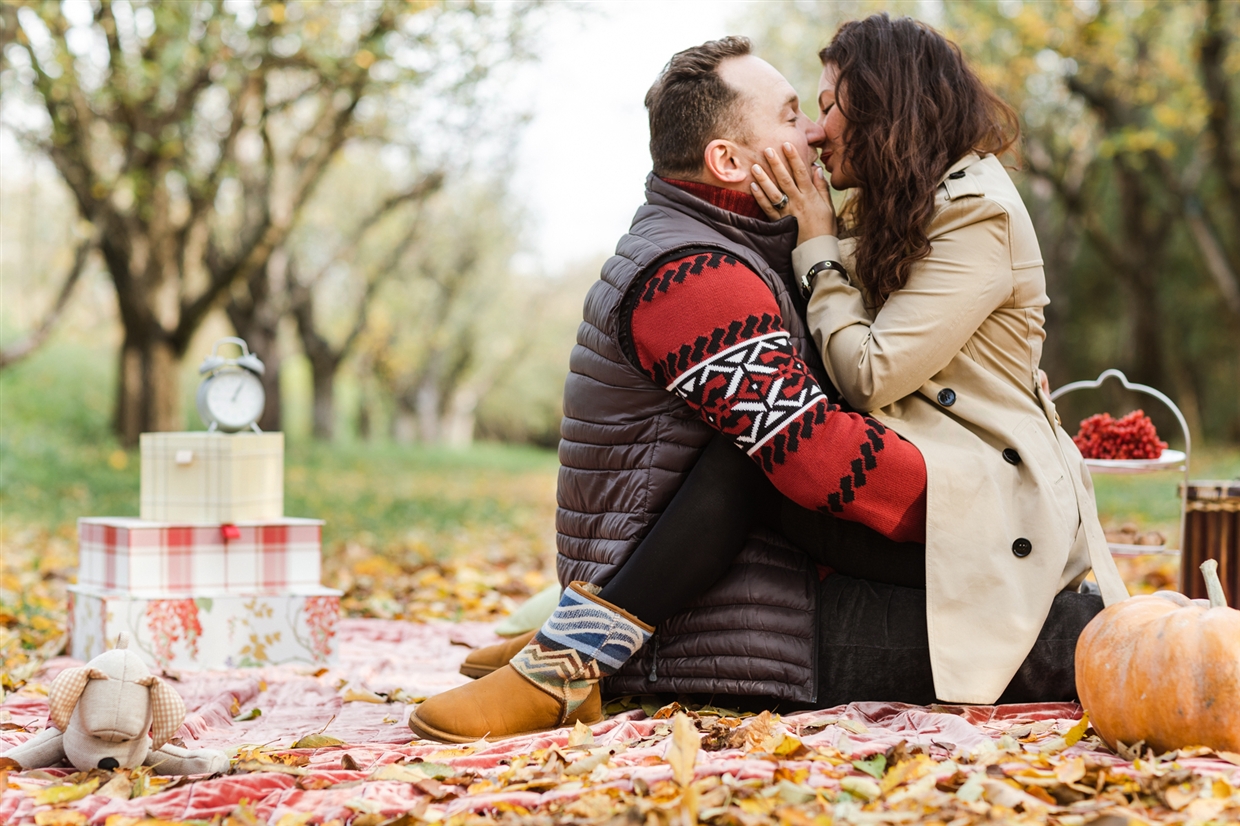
1071	771
581	735
294	819
316	741
278	768
348	763
9	764
683	750
66	793
362	695
401	772
59	817
1075	733
862	787
252	714
118	788
873	766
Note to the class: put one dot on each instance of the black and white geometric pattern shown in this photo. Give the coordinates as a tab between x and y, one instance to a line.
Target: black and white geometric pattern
752	390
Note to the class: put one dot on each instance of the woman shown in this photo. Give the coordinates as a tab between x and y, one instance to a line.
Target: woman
928	311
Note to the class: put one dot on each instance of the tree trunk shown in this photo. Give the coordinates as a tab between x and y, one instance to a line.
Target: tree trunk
258	322
148	388
323	370
404	422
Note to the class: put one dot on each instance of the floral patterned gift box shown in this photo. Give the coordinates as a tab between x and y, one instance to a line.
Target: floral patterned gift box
208	631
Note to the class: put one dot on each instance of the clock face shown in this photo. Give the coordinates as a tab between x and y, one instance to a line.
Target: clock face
234	399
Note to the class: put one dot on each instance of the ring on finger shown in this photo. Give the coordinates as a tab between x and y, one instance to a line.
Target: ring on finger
781	203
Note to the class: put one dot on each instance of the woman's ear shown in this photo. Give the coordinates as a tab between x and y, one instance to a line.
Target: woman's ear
725	162
167	711
66	689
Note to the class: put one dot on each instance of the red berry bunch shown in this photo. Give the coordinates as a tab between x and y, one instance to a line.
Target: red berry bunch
1132	437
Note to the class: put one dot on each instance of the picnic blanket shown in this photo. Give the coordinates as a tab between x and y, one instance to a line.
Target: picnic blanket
1029	759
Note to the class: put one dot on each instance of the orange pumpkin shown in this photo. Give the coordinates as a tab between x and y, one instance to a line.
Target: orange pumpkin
1164	669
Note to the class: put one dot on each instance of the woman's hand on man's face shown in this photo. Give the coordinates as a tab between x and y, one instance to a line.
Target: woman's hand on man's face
809	198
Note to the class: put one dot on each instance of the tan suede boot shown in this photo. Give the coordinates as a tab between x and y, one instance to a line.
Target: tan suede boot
485	660
551	682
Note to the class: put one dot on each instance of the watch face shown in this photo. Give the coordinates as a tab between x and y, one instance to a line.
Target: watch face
235	399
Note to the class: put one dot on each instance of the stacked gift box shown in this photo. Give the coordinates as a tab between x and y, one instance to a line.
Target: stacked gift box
211	574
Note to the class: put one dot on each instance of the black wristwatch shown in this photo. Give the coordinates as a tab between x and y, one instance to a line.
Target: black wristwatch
807	280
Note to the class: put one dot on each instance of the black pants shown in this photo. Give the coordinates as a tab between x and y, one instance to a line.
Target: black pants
873	643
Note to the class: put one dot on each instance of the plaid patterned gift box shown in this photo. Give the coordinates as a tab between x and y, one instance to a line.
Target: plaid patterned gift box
207	630
191	478
137	557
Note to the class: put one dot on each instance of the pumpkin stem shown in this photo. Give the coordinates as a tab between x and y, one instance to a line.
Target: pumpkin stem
1214	588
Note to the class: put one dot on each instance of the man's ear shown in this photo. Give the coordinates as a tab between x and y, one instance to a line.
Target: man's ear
725	162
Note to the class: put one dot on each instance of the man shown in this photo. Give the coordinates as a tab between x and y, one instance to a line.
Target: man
693	337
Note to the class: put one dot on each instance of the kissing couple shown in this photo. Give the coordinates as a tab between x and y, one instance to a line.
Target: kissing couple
808	457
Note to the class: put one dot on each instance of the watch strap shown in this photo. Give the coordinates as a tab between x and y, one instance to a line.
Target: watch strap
808	279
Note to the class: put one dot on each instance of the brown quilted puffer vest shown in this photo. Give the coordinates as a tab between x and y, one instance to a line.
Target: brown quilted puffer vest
627	444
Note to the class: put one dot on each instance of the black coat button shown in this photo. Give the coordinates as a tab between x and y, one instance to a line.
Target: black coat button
947	397
1011	456
1022	547
957	175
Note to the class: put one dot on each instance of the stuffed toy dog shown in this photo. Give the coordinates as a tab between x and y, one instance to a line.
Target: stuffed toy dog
113	713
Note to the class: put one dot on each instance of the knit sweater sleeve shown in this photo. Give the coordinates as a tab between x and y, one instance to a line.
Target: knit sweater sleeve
708	329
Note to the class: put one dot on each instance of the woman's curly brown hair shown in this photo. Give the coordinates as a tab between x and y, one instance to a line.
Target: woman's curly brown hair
913	108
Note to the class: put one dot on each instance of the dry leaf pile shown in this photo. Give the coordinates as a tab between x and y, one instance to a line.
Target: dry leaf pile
708	766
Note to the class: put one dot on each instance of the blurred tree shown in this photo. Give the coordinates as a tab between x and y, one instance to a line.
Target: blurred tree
193	134
457	320
326	358
17	350
1131	130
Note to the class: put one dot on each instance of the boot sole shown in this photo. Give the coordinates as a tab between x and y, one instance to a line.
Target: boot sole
476	671
426	732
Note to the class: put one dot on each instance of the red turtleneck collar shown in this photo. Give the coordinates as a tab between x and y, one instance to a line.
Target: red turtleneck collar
742	203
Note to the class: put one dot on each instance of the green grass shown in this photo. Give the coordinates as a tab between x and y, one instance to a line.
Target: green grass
1152	501
59	461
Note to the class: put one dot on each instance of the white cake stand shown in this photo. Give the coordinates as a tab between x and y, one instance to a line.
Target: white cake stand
1169	460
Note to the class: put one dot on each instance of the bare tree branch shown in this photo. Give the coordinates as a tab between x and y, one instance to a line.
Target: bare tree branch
23	347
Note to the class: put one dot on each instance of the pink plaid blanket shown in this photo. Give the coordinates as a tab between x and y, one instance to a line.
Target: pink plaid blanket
371	772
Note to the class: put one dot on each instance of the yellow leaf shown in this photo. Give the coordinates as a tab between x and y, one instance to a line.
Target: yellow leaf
789	745
862	787
59	817
581	735
400	772
65	793
1071	771
683	750
1075	733
295	819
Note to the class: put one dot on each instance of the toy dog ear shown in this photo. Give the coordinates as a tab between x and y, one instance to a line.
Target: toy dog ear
62	696
167	711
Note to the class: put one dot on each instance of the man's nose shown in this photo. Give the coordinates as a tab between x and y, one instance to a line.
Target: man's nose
815	134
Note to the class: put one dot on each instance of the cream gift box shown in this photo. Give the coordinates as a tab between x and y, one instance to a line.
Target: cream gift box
144	558
212	477
208	631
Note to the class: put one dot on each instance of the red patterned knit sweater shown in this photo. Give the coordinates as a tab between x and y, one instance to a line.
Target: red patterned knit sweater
708	329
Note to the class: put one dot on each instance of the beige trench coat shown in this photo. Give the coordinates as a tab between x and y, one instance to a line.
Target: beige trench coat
950	362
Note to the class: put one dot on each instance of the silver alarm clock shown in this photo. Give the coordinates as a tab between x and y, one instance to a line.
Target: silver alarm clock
231	396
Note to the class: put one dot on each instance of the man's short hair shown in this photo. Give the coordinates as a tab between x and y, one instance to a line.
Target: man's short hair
690	105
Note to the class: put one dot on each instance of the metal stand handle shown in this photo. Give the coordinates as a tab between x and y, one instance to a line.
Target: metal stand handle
1162	397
